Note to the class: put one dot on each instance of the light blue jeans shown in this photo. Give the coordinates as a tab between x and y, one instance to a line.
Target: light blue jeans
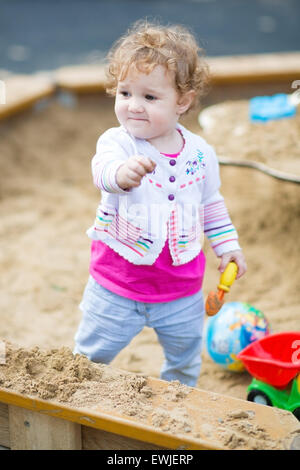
109	322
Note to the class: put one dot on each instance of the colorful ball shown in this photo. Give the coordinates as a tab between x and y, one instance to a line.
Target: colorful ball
235	326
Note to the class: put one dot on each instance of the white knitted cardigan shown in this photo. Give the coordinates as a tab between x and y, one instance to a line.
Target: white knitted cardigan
169	203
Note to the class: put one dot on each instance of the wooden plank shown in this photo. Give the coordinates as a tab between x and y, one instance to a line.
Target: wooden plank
81	78
4	428
35	431
95	439
215	415
23	91
283	66
215	420
113	423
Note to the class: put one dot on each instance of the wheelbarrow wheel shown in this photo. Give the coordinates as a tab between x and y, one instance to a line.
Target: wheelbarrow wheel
296	413
259	397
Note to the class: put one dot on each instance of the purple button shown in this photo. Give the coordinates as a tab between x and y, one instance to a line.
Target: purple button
172	179
172	162
171	197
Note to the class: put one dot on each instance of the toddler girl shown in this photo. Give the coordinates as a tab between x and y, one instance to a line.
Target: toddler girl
160	193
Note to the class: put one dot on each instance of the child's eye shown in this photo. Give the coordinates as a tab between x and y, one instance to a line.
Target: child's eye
124	93
150	97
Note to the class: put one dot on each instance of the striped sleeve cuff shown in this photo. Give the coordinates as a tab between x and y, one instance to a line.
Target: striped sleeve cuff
219	229
105	177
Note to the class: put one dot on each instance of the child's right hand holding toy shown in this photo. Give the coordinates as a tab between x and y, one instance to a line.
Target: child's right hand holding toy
130	174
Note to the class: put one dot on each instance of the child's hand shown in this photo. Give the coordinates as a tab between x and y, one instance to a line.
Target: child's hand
130	174
238	257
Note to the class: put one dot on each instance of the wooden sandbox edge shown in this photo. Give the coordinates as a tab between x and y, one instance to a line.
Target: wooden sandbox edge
84	79
29	424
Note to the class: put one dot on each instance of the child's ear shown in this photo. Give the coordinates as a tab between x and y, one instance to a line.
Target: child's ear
185	101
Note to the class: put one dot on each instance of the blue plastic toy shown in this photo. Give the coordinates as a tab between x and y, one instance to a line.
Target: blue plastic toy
265	108
235	326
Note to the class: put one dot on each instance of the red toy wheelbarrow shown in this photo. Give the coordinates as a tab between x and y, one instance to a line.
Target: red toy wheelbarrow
274	362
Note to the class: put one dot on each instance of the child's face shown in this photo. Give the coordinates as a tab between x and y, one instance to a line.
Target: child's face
147	104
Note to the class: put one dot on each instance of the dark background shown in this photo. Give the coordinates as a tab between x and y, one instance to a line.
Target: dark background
46	34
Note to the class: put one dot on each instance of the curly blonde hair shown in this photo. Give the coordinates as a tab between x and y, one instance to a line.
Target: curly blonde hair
147	45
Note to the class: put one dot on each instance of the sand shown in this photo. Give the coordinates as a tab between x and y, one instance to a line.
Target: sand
275	143
58	376
47	201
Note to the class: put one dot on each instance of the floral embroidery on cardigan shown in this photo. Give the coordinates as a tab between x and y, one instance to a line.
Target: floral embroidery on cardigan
194	165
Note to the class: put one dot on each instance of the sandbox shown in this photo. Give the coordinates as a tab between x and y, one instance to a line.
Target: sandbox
51	399
47	201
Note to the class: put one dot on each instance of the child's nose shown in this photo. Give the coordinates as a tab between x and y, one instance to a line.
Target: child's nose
135	105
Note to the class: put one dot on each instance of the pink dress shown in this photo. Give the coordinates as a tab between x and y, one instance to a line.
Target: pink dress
160	282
